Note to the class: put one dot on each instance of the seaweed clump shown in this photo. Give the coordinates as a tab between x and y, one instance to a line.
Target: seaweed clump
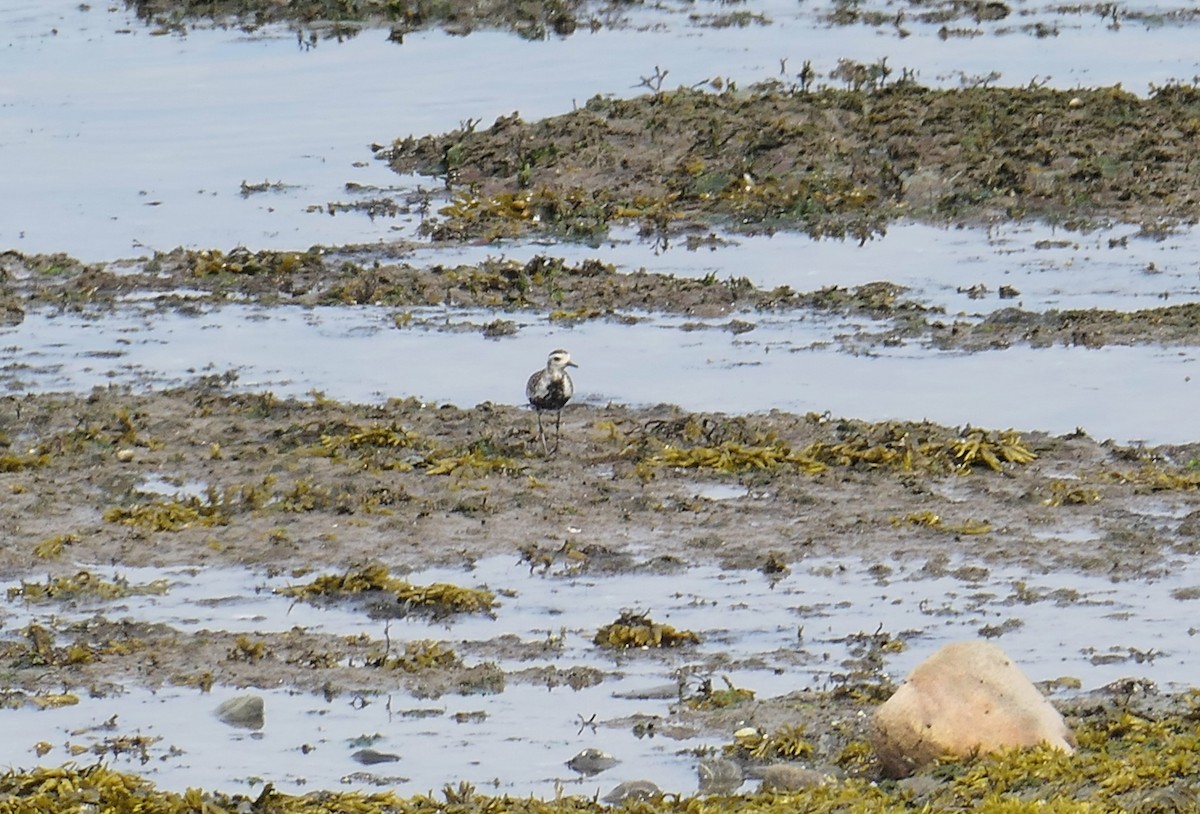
786	743
419	656
83	585
170	515
375	447
933	520
890	445
13	462
1161	479
632	629
729	155
437	599
708	698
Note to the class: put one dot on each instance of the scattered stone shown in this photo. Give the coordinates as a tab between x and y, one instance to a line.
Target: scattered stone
791	777
658	693
125	455
1130	686
592	761
369	757
368	779
244	711
719	776
966	698
632	791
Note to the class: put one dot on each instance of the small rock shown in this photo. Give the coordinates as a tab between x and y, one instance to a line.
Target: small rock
747	737
369	757
11	313
966	698
244	711
719	776
790	777
592	761
125	455
632	790
369	779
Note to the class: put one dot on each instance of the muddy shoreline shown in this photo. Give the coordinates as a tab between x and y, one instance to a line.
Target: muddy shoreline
198	476
205	478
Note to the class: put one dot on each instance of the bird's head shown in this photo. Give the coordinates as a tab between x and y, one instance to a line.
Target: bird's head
560	359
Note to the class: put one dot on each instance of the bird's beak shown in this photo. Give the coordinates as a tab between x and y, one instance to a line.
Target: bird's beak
571	364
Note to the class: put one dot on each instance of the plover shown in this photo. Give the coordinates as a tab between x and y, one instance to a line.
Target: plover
550	389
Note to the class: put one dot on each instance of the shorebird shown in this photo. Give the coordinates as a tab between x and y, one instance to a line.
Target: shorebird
550	389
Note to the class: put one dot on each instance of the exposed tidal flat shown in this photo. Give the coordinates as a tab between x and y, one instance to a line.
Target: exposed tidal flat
885	319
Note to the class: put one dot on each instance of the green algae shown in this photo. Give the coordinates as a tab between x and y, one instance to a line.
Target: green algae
1125	762
118	428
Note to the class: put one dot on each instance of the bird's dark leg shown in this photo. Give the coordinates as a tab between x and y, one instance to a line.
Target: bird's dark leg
541	432
557	428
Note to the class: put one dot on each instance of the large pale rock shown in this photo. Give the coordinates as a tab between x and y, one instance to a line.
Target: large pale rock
966	698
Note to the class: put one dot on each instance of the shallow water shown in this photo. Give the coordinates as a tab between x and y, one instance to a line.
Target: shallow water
116	141
791	634
1050	269
357	355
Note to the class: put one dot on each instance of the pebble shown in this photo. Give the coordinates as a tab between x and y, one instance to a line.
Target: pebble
244	711
592	761
719	776
632	790
790	777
